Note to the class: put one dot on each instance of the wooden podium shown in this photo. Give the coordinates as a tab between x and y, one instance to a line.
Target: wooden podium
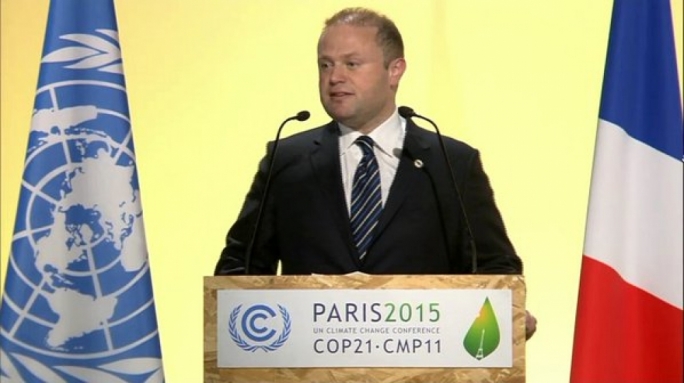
514	283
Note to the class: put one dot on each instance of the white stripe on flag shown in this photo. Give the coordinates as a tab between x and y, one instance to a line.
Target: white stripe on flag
634	223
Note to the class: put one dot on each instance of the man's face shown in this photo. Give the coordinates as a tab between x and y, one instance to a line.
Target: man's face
354	86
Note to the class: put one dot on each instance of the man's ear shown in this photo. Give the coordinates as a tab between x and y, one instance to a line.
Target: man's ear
396	69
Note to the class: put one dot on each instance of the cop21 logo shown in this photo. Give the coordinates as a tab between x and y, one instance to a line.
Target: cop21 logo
256	324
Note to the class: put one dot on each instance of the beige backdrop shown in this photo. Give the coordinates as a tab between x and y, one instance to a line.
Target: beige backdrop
210	80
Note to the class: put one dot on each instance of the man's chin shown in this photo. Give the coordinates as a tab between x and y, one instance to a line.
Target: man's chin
344	117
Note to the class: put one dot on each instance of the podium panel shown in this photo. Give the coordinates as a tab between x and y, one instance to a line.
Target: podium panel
353	328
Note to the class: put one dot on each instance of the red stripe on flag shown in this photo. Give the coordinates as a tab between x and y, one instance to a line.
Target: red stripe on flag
623	334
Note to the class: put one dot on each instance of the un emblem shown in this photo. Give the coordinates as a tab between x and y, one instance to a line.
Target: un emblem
80	303
259	325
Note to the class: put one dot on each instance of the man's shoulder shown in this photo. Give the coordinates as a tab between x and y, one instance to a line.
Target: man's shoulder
429	137
309	136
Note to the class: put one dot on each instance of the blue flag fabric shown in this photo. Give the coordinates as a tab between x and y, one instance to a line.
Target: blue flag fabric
640	86
78	303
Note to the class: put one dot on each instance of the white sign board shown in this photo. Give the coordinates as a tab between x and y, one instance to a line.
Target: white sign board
365	328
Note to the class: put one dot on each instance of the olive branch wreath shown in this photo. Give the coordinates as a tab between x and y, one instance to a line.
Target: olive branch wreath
112	372
92	52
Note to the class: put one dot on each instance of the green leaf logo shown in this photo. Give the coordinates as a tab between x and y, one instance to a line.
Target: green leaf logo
483	336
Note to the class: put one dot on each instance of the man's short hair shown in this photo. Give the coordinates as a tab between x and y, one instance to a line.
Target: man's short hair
388	36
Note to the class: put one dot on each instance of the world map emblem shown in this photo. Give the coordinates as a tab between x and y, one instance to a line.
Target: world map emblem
83	307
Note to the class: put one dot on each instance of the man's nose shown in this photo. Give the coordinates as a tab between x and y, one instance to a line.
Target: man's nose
337	74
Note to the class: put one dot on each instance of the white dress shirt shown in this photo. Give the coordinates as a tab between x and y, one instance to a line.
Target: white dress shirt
389	141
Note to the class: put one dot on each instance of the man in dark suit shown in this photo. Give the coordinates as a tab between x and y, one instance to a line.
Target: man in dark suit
320	217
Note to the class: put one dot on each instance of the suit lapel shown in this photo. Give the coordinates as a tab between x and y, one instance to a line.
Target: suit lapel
325	160
415	152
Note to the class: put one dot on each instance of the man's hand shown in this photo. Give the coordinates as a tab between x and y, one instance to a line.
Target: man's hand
530	325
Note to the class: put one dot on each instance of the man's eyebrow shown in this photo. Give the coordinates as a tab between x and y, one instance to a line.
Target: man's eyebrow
345	56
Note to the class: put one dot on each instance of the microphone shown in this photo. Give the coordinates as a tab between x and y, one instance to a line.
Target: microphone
407	113
301	116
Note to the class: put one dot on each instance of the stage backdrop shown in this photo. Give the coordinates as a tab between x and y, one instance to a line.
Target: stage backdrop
209	81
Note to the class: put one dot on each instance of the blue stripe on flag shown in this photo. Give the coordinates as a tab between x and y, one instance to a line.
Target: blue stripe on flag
640	88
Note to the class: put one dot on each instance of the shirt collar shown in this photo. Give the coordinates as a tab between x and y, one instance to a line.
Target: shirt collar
387	136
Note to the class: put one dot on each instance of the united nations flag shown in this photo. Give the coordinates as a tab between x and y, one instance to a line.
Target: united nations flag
78	303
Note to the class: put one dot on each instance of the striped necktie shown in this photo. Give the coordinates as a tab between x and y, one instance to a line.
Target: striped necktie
366	198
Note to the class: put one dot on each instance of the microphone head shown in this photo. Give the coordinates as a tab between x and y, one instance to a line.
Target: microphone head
406	112
303	115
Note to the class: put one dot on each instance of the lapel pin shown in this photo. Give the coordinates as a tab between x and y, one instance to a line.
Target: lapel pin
418	164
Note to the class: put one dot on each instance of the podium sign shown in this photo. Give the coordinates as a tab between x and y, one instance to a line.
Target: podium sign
364	328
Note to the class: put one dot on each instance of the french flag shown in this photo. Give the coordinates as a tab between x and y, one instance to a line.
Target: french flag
629	315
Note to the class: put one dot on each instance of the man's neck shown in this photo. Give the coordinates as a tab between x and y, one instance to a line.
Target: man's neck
370	126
